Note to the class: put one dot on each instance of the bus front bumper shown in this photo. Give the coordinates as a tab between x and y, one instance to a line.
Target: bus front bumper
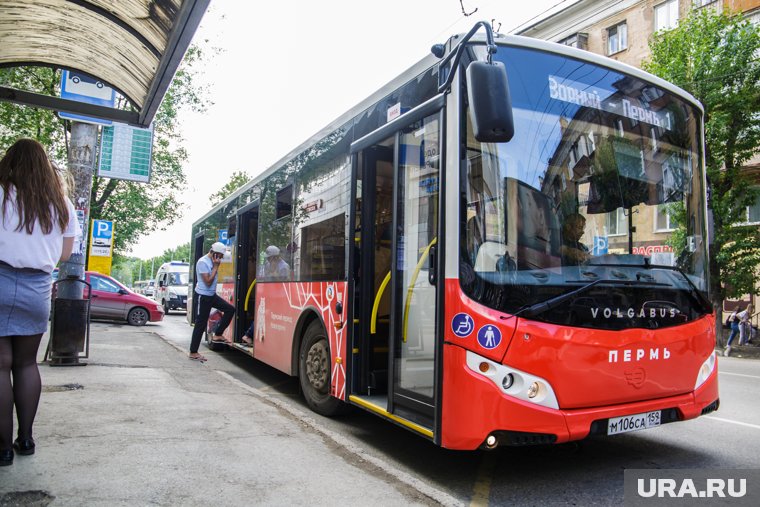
485	417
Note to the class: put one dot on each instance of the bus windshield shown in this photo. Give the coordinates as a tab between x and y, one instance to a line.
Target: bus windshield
602	182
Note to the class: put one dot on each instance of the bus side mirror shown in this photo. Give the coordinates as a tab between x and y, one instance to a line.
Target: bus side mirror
161	283
490	103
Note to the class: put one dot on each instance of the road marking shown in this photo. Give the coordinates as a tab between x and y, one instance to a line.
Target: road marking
737	374
481	491
757	427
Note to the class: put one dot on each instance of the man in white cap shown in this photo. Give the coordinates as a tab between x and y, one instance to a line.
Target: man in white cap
207	269
274	268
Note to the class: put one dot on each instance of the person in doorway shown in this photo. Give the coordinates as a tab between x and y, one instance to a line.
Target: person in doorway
574	253
248	335
37	229
207	269
274	267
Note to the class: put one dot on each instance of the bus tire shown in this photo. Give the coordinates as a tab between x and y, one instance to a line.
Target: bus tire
314	372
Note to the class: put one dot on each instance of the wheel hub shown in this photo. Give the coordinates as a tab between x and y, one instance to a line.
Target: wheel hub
317	364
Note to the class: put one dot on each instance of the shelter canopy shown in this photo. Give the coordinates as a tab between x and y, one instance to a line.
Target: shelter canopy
134	46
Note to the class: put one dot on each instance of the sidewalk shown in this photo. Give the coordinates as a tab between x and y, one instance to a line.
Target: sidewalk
141	424
749	351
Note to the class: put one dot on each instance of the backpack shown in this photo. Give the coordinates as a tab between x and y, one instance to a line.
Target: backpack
730	319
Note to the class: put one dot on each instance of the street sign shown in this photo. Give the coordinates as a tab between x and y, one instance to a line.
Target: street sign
600	246
125	152
101	247
85	88
102	237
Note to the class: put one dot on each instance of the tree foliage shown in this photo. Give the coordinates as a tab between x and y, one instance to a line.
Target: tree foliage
237	180
713	56
137	209
23	121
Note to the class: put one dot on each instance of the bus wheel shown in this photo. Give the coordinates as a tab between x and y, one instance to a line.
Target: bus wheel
314	372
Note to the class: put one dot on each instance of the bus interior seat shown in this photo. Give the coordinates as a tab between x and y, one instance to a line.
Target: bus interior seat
489	254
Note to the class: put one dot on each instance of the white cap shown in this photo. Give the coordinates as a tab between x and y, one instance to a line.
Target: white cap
218	247
271	251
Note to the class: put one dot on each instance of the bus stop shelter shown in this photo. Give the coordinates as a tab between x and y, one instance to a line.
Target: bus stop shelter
133	46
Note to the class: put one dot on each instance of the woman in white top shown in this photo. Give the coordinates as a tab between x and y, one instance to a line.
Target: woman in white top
37	229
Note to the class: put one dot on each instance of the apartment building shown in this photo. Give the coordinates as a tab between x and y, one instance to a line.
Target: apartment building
621	29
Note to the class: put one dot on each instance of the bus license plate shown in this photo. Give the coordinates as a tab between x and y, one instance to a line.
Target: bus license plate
633	422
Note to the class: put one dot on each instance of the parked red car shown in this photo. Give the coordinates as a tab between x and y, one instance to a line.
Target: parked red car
112	300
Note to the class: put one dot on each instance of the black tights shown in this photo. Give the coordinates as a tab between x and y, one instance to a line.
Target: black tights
18	355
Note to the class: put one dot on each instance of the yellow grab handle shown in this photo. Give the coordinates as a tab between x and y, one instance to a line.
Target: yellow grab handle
248	295
376	305
410	290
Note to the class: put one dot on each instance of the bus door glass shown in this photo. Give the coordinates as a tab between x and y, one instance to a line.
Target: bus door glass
372	258
414	269
248	224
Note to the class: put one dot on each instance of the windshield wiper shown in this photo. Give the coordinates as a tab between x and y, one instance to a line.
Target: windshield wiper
551	303
694	293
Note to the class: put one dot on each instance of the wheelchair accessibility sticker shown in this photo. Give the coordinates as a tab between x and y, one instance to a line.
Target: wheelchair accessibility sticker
489	336
462	325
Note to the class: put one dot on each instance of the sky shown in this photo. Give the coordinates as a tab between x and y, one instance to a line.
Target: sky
286	68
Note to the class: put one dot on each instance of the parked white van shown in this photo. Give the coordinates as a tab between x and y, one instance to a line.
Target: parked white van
171	285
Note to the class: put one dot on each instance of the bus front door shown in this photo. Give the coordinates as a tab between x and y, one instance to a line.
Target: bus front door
414	271
396	234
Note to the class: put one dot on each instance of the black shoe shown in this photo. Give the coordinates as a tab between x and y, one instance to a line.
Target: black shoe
24	447
6	458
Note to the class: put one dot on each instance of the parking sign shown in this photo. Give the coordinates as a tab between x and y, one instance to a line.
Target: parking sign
601	245
102	237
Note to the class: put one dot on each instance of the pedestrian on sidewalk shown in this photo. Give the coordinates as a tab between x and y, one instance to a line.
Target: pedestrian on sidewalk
736	319
744	324
37	229
207	270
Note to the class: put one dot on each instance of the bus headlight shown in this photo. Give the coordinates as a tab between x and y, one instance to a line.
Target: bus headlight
513	382
706	370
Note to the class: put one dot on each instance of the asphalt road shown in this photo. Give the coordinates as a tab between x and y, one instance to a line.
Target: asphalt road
582	473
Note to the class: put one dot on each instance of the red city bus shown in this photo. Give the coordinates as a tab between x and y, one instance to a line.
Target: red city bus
477	252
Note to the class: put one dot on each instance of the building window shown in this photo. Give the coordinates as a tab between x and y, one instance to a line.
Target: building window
753	213
666	15
617	38
702	3
616	223
663	221
577	40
